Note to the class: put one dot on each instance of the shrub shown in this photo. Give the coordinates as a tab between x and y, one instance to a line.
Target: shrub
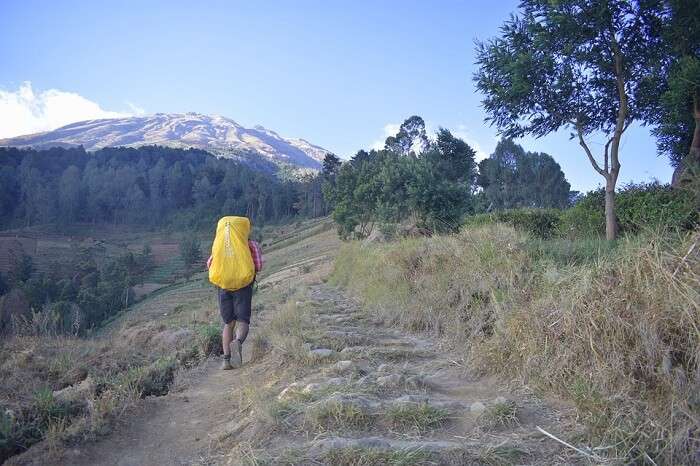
586	219
209	339
639	207
652	205
542	223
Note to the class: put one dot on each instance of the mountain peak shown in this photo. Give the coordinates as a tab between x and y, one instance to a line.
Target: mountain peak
217	134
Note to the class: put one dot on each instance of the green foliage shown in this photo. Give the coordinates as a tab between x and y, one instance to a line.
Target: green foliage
675	122
513	178
552	67
674	82
654	206
437	202
579	65
640	207
541	223
209	339
414	178
90	293
586	218
411	138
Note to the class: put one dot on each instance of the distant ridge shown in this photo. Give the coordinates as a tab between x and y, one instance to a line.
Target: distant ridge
216	134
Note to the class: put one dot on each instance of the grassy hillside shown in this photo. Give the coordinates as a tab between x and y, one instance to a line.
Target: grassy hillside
613	329
57	390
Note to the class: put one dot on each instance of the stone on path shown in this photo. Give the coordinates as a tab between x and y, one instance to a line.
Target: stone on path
477	407
321	353
388	381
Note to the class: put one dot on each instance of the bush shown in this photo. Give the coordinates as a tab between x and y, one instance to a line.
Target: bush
586	219
639	207
209	339
542	223
655	206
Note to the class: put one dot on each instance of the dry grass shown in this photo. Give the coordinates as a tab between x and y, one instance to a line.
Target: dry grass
375	457
618	333
64	389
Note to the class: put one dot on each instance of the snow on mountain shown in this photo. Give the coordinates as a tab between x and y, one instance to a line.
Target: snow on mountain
216	134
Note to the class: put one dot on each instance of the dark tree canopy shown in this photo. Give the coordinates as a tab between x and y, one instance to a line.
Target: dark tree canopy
512	178
153	186
411	138
674	107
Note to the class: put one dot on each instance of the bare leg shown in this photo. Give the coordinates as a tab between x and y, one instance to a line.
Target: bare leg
241	331
227	336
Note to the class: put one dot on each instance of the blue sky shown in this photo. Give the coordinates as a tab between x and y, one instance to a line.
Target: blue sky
338	73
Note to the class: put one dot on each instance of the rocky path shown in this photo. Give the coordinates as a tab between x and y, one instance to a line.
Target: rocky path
365	394
377	395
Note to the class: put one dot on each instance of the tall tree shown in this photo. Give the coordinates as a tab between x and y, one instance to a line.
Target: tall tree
512	178
456	157
411	138
574	64
331	167
675	110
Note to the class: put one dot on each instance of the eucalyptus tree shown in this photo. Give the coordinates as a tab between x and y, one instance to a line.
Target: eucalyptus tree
578	65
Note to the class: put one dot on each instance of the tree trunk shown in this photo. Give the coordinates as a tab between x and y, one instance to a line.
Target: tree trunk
693	158
695	145
610	218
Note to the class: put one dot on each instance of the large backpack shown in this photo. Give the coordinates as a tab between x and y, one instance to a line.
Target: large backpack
232	265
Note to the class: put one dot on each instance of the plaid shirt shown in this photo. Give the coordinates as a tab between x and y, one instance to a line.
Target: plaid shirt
254	253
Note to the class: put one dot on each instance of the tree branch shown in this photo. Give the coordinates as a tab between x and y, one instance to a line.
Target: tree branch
583	144
621	124
607	146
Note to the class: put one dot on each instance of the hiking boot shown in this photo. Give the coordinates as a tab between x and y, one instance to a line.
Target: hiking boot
236	353
226	364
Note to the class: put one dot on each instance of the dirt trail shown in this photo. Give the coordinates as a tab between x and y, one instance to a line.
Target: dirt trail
373	395
175	429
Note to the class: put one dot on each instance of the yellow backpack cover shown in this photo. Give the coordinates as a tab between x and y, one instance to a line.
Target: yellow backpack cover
232	265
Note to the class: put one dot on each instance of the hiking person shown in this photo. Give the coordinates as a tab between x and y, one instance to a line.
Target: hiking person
233	265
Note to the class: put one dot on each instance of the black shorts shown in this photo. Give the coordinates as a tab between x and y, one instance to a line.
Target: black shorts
236	305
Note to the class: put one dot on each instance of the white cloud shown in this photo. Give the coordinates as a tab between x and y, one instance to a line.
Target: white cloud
24	111
390	129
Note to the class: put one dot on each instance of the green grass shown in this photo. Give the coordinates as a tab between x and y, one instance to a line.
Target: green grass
167	272
416	417
499	416
334	415
209	339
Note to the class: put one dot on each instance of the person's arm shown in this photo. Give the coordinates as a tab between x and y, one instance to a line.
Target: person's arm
256	254
209	262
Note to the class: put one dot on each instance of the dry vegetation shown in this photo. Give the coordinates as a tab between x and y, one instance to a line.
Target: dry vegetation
615	330
57	390
71	389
